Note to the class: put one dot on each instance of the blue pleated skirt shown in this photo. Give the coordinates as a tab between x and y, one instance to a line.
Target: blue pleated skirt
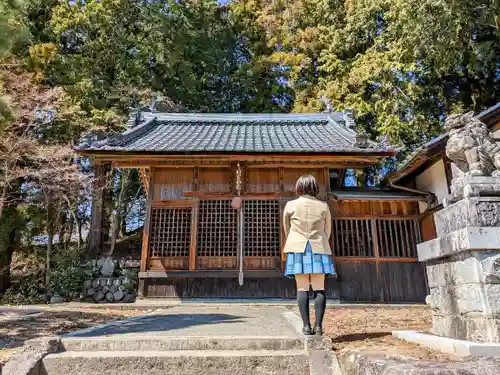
308	262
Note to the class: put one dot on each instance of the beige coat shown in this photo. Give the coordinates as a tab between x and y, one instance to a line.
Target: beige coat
307	219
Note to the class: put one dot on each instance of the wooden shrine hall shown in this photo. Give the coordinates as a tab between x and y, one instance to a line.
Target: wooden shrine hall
196	245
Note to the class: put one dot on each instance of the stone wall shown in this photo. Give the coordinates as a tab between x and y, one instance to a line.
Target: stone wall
111	282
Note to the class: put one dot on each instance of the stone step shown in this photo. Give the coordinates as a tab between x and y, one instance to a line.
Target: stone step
151	343
178	362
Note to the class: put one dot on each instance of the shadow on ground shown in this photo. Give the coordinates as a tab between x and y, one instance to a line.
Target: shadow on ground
158	323
360	337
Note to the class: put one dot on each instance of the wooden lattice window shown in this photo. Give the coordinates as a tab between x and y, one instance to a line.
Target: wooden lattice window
170	232
398	238
262	228
217	229
353	237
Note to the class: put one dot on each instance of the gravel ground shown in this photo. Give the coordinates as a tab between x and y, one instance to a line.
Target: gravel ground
14	332
370	329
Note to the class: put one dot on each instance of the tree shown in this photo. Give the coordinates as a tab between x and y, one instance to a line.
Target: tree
11	32
403	65
57	185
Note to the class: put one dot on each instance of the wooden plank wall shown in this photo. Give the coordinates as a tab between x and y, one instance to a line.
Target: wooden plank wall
215	180
173	182
262	180
376	260
291	175
210	287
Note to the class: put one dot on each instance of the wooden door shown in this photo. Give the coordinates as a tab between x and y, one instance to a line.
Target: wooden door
217	237
261	234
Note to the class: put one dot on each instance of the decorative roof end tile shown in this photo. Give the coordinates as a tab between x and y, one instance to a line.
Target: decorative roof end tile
361	141
348	115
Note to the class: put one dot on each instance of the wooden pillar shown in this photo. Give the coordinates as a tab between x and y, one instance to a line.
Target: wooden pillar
282	180
145	231
326	176
96	220
194	236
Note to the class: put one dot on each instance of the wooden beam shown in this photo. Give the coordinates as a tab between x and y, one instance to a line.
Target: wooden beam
180	203
125	164
233	274
376	216
221	195
263	157
374	260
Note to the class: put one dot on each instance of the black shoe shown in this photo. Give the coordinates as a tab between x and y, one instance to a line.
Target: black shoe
318	331
307	331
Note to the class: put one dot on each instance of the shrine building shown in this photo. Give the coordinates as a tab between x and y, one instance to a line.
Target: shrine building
195	244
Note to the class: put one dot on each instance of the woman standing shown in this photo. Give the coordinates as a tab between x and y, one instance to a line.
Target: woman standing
308	226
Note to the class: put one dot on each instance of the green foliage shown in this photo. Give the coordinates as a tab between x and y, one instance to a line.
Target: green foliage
133	275
26	290
401	65
404	64
67	279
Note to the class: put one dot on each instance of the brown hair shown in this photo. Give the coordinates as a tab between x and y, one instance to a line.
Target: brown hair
307	185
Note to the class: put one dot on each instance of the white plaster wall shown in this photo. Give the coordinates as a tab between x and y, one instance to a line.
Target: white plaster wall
433	180
496	134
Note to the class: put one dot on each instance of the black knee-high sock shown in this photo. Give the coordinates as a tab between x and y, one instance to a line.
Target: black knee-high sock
303	302
319	307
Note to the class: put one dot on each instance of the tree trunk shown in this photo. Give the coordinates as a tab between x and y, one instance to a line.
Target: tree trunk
50	238
71	229
80	231
116	219
62	230
108	206
96	220
123	226
50	241
9	225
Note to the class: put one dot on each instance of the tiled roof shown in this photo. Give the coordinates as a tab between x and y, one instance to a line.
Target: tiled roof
244	133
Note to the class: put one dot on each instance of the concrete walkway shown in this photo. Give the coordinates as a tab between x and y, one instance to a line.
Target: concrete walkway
202	321
189	340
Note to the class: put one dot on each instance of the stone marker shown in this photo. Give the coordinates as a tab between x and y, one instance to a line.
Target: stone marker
108	267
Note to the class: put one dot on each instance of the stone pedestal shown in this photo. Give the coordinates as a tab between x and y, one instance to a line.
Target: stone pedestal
463	264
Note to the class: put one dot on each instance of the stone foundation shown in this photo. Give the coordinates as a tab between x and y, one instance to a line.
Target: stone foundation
111	282
109	289
463	267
